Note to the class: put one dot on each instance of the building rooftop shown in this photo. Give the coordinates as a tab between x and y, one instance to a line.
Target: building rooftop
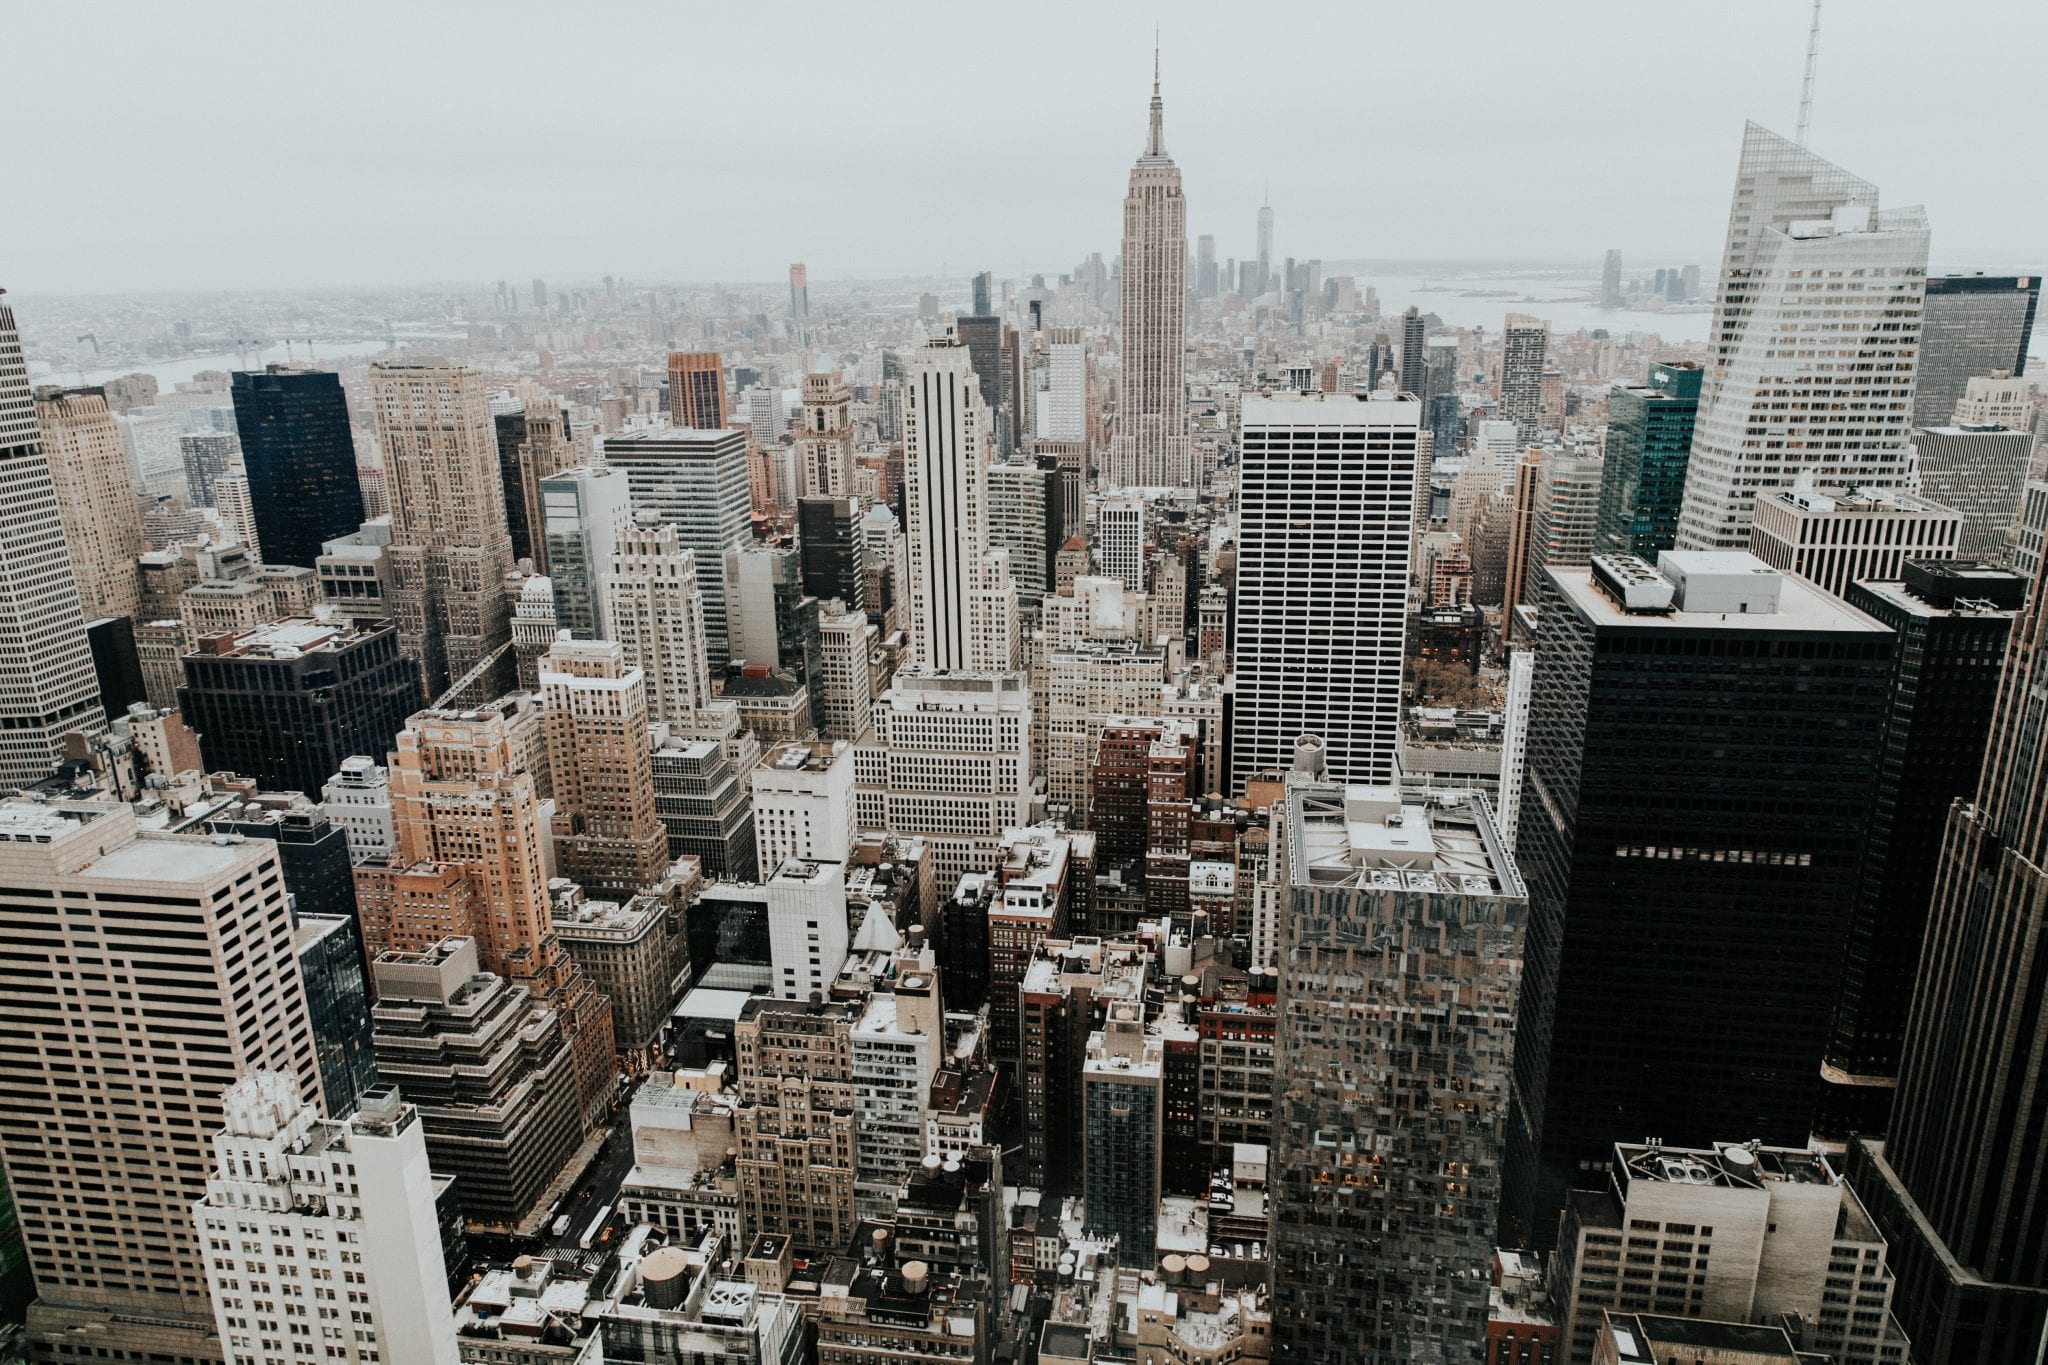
1645	1339
1800	606
1811	498
1730	1165
1384	838
284	639
1330	410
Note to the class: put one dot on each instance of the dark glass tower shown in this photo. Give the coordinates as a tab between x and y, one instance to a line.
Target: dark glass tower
1649	442
1952	619
510	430
833	557
1702	752
285	704
983	338
301	460
338	1007
1960	1187
1973	324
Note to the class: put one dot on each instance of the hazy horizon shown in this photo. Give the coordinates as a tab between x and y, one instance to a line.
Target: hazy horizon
249	147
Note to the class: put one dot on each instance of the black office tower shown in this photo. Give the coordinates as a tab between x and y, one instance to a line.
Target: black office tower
1960	1188
1701	758
312	851
832	557
1952	619
983	338
285	704
300	458
510	430
116	664
1972	325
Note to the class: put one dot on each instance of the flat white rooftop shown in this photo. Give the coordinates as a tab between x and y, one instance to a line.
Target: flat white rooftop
1329	410
1801	607
170	858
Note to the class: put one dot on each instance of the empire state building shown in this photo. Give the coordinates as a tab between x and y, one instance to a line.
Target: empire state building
1151	448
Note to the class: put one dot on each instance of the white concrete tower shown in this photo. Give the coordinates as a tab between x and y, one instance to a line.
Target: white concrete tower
1152	447
963	607
1326	490
350	1204
1120	541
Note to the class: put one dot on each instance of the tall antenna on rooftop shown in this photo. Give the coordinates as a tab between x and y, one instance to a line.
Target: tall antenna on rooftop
1806	88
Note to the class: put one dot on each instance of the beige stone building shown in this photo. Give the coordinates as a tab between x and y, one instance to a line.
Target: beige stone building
450	549
607	835
95	498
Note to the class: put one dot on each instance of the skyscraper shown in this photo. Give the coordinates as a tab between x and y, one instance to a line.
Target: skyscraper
1414	369
450	549
1702	739
95	499
1610	279
1120	541
1327	490
1649	442
606	835
1205	266
657	615
357	1190
96	914
1810	253
1953	619
1974	324
696	390
1388	1133
583	511
286	702
949	761
1523	344
828	537
1152	447
533	443
1956	1187
300	458
795	1123
1024	506
824	439
466	829
799	293
208	455
47	684
1262	278
695	480
1979	473
963	607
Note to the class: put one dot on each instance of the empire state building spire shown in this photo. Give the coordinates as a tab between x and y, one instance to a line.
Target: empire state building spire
1155	145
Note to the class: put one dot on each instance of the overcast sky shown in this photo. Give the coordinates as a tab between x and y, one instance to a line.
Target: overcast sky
276	145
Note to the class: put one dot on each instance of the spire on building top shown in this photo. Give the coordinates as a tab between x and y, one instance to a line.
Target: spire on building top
1155	145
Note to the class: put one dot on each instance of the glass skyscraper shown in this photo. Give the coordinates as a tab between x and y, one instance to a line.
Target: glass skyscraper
1400	947
1809	253
300	458
1649	442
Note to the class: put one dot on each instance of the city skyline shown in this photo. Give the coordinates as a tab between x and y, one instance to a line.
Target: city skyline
338	154
1229	806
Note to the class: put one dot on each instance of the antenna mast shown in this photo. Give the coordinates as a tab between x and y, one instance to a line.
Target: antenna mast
1806	88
